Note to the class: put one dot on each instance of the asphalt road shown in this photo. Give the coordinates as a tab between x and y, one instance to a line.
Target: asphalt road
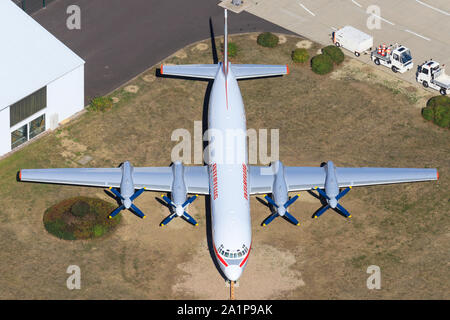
120	39
421	25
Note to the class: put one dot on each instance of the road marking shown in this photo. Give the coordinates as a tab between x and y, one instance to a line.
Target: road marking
431	7
292	14
418	35
357	3
309	11
377	16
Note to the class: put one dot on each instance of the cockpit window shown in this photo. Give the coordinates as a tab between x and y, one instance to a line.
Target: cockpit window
233	254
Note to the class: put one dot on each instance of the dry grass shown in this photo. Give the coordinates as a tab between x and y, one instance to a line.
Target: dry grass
350	119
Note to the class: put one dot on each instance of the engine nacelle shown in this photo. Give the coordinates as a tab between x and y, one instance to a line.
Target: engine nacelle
179	190
279	189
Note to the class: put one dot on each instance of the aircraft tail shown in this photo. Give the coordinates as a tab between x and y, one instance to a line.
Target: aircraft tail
240	71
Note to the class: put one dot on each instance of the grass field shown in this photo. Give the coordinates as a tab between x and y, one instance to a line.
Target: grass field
356	116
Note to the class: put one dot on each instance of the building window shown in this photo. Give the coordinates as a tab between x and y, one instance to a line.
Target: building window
28	131
28	106
19	136
37	126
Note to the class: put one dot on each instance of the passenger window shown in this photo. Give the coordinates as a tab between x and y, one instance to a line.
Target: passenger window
396	57
425	71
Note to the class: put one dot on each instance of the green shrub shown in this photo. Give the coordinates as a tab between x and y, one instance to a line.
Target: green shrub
438	111
232	49
321	64
267	39
334	53
300	55
427	113
80	209
61	221
101	103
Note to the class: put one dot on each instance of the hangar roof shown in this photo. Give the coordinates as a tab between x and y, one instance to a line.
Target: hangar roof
30	56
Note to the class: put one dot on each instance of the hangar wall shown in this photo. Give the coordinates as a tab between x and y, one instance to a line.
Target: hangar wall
65	97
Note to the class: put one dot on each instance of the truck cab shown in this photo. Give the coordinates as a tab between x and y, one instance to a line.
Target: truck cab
430	74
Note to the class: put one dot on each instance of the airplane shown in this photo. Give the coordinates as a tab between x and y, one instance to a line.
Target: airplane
230	184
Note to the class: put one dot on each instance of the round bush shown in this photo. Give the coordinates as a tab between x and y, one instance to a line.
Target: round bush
300	55
438	111
334	53
267	39
80	209
321	64
64	220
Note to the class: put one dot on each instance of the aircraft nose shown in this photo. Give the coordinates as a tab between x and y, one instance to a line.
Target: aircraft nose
233	273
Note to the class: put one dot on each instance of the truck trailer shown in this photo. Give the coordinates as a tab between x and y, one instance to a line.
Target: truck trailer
353	39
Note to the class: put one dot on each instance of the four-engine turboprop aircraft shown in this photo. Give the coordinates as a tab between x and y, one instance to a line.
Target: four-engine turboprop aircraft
228	184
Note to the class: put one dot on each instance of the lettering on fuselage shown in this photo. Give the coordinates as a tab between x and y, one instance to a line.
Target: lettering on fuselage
215	183
244	169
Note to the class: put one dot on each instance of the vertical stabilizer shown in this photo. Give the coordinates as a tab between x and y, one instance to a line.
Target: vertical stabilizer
225	44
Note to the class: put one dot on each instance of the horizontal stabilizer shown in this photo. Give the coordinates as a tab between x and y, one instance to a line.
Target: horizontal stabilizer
203	71
246	71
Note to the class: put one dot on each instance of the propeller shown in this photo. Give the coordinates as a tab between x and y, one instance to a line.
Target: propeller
179	210
333	202
281	210
127	203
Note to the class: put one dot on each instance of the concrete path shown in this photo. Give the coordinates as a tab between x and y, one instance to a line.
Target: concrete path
423	26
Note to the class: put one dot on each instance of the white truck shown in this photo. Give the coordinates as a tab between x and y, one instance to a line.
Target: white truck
430	74
396	57
353	39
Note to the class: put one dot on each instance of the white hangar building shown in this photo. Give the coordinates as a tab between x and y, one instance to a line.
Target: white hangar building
41	80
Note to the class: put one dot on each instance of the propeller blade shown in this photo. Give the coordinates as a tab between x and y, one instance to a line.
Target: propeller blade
321	211
116	193
138	212
344	211
269	200
322	193
168	219
343	193
291	218
291	201
190	219
115	212
269	219
189	201
137	194
167	199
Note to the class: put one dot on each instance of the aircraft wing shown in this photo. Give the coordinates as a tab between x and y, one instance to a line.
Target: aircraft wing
151	178
261	179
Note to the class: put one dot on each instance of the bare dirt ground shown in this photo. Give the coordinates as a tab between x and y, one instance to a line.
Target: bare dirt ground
356	116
